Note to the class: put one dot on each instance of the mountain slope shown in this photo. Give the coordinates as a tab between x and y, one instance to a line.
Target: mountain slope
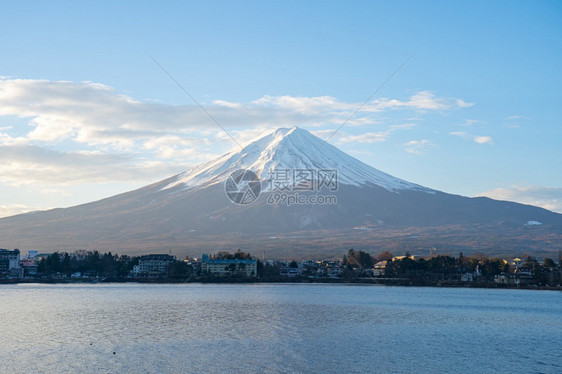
191	214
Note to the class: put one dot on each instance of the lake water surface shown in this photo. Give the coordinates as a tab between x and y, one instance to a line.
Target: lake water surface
271	328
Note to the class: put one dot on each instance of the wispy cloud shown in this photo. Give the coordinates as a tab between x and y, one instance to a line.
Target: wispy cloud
417	146
546	197
470	122
515	121
516	117
421	101
480	139
324	134
368	137
374	136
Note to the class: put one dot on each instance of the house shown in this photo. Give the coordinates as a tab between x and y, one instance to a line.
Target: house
467	277
501	279
524	271
227	267
477	271
334	272
379	268
290	272
29	267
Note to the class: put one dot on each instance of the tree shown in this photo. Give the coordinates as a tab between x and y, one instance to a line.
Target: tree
461	260
178	269
267	271
494	266
293	264
242	255
549	263
365	260
350	258
358	259
66	264
107	264
384	256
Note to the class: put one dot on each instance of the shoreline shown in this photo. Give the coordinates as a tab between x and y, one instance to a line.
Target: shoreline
400	282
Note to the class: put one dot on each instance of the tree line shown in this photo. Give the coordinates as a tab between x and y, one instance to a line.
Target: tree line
445	267
355	264
87	262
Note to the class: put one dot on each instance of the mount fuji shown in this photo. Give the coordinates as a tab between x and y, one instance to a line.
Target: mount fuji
290	149
190	213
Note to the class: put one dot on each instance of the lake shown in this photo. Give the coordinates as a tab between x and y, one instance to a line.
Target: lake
273	328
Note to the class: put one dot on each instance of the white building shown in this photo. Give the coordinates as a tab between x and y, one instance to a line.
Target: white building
10	263
379	268
153	264
223	267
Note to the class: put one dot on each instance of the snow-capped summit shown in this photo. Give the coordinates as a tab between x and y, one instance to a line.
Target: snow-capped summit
290	149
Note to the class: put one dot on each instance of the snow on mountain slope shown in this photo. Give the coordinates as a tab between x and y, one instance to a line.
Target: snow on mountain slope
290	149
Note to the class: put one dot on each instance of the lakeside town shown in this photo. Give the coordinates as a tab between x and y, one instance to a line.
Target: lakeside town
355	266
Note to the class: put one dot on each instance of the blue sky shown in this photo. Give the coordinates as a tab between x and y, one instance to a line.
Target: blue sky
85	113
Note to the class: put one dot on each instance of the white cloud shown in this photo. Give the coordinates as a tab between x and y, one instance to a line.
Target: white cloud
470	122
6	139
375	136
417	146
304	105
53	191
360	153
546	197
403	126
483	139
95	114
515	121
421	101
324	134
29	164
480	139
368	137
227	104
516	117
88	132
7	210
175	147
